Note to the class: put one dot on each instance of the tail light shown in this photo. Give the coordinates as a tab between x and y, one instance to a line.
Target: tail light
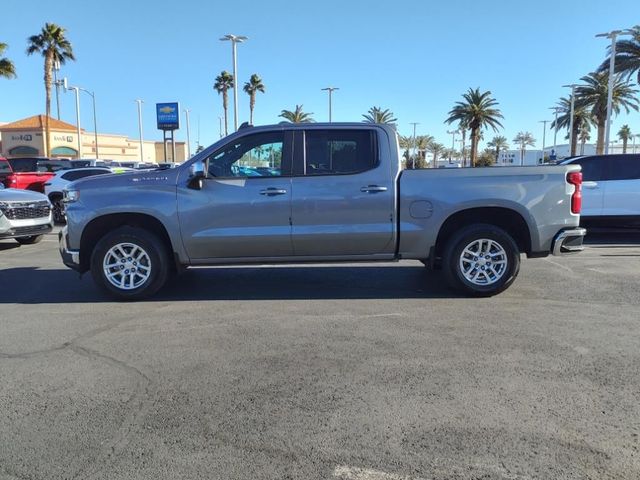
575	179
12	180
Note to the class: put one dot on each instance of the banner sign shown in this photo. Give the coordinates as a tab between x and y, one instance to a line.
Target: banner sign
168	116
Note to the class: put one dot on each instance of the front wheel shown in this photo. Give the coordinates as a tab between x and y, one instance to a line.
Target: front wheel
29	240
130	263
481	260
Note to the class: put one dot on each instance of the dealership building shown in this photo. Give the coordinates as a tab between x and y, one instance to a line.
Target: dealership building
25	137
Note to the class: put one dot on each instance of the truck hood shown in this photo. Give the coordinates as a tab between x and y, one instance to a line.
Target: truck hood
16	195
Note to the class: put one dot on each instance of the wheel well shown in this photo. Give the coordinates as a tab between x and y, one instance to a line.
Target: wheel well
55	195
98	227
505	218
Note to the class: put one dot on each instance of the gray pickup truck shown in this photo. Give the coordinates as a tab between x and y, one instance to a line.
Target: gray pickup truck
334	192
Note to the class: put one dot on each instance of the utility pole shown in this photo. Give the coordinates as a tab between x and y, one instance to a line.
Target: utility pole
573	103
414	143
453	142
544	133
186	112
140	102
234	39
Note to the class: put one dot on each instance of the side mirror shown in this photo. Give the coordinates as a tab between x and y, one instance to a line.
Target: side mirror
196	175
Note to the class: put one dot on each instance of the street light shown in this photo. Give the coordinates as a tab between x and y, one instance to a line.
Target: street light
186	113
555	130
234	39
56	69
330	90
544	133
95	122
572	86
634	141
140	102
414	143
612	35
453	141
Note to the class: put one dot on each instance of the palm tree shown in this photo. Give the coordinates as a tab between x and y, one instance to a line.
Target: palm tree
584	136
435	149
377	115
422	144
624	134
297	116
251	87
582	119
499	143
223	83
627	59
477	112
524	139
54	46
593	95
7	69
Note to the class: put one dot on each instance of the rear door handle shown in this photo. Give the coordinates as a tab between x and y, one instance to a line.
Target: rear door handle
272	192
373	189
590	185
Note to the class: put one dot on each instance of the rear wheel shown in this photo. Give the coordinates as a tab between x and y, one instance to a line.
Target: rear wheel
130	263
481	260
29	240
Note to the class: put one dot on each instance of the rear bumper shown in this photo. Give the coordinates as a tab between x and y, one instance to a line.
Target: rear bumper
568	241
71	258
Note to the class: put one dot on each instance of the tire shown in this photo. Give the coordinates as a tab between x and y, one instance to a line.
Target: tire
29	240
58	210
143	253
473	274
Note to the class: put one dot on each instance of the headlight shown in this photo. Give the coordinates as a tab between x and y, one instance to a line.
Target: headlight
70	196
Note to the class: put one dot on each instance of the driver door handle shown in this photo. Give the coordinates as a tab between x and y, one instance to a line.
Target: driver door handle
272	191
373	189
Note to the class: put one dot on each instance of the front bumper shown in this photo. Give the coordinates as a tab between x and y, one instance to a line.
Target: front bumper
25	228
71	258
568	241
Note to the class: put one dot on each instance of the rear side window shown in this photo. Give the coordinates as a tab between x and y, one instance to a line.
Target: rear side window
339	152
623	167
592	168
5	167
77	175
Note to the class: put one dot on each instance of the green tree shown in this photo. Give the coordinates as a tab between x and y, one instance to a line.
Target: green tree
7	68
498	142
223	83
253	86
486	158
592	95
54	46
377	115
422	144
476	112
297	116
582	119
584	136
435	149
627	59
624	134
524	140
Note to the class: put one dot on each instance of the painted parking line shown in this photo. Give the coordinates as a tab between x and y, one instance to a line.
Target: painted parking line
343	472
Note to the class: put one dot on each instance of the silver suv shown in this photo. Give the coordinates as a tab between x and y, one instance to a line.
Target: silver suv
24	215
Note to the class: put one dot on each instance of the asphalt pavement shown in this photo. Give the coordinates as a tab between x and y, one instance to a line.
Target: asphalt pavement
348	372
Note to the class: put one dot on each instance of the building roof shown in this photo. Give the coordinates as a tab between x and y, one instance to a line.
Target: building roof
37	123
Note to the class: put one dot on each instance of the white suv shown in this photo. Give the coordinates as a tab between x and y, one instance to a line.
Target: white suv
56	184
610	189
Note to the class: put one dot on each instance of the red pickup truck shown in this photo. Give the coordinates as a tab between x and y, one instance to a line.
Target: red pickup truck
27	173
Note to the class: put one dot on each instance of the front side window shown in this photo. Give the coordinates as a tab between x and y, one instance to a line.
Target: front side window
335	152
258	155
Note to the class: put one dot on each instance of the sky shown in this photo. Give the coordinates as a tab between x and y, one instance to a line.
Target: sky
415	58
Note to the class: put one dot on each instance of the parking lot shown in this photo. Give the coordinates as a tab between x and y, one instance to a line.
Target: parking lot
368	371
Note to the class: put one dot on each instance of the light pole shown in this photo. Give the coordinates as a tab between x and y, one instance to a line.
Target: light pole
573	103
140	102
56	69
234	39
79	133
544	133
186	113
634	141
220	126
555	130
612	35
453	142
95	122
414	144
330	90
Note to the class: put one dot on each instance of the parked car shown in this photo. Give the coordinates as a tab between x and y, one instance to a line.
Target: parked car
28	174
5	170
611	189
54	187
24	215
340	195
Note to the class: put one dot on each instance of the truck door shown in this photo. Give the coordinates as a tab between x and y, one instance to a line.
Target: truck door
244	207
593	185
342	200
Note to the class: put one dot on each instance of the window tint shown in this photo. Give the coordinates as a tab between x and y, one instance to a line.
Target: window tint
77	175
330	152
592	168
623	167
5	167
258	155
23	164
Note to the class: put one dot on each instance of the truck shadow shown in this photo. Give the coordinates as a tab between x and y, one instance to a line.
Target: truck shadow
34	286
